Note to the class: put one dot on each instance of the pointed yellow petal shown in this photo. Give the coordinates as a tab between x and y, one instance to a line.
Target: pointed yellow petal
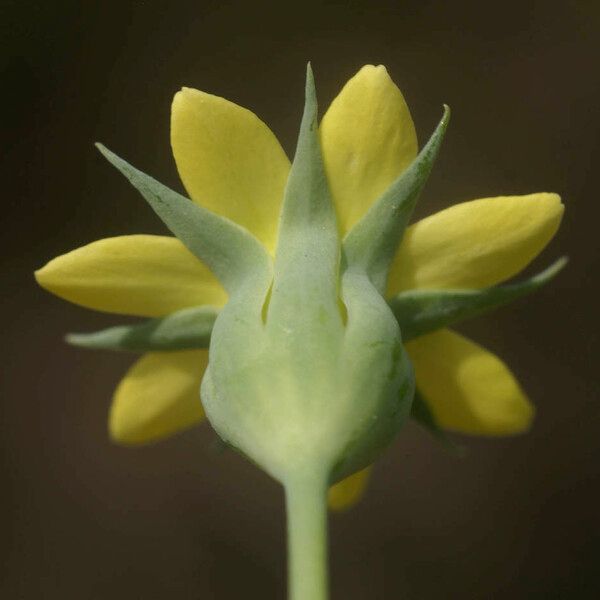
368	139
475	244
349	491
159	396
467	388
143	275
229	161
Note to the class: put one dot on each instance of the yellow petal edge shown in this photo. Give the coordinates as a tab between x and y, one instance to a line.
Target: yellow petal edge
368	139
467	388
142	275
349	491
475	244
229	161
159	396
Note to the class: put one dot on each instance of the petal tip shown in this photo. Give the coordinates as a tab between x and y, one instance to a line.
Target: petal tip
38	274
518	415
186	95
43	276
375	72
513	417
553	206
122	429
551	199
520	422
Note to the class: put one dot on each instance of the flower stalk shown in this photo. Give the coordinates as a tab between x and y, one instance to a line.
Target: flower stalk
306	507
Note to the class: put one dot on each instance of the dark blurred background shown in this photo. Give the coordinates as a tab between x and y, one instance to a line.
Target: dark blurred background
516	518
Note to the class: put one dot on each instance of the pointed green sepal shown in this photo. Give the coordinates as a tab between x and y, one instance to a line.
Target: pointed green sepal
183	330
372	243
232	253
308	247
422	311
319	382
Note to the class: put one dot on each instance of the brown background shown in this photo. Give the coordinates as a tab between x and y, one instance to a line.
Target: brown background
515	519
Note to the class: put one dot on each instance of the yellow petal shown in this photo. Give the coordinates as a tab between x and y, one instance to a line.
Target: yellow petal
475	244
349	491
159	396
467	388
229	161
368	139
144	275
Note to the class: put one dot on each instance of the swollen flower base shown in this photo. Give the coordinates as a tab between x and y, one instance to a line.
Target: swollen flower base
321	311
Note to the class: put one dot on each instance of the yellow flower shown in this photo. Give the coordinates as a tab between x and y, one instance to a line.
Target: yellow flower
231	163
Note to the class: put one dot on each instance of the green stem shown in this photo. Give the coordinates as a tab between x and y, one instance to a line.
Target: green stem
306	504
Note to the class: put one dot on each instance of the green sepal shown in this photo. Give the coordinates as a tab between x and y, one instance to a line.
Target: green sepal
306	271
418	312
372	243
316	380
185	329
231	252
376	368
420	413
423	311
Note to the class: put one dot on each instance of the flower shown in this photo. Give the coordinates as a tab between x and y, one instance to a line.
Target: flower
232	164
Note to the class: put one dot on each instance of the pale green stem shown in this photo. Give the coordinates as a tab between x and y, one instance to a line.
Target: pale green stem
306	505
